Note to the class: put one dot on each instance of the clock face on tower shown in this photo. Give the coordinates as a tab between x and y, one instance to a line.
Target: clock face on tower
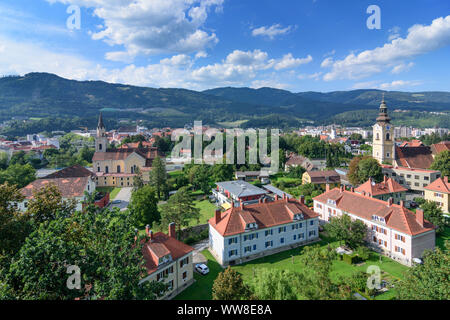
388	127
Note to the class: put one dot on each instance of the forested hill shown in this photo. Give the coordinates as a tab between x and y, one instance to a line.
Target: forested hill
47	99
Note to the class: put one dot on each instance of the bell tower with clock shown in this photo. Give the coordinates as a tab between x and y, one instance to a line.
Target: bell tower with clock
383	137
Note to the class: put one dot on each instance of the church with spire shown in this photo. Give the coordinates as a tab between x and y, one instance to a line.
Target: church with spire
118	167
383	137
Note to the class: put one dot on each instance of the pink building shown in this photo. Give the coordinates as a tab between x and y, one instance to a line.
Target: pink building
393	230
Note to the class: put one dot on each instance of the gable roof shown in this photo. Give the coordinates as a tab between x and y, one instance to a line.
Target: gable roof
414	157
329	176
265	215
122	154
161	245
397	217
440	185
439	147
74	171
70	187
387	186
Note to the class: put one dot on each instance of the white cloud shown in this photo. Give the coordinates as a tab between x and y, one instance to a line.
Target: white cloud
420	40
402	67
327	62
152	27
178	60
288	62
394	33
396	84
256	84
314	76
272	31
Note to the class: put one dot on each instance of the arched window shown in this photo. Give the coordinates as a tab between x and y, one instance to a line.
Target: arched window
99	146
118	169
378	136
106	169
388	136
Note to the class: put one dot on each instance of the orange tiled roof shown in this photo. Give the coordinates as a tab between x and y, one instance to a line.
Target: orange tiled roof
69	187
439	147
266	215
440	185
397	217
387	186
329	176
160	246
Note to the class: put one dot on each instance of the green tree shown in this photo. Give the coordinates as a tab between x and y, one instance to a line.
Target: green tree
144	206
158	175
229	285
296	172
138	181
363	168
19	175
273	284
48	202
352	233
179	209
102	246
433	213
4	160
428	281
442	163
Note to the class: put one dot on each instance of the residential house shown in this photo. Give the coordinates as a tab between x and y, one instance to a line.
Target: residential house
414	180
72	182
439	191
388	188
322	178
251	231
393	230
237	191
168	260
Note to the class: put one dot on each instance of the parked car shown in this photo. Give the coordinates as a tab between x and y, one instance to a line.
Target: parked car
116	201
202	268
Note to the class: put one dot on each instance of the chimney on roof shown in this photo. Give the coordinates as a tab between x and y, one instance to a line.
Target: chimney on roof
276	197
172	232
390	201
327	187
218	216
242	205
260	200
385	179
285	197
352	189
342	188
419	216
302	199
445	179
402	203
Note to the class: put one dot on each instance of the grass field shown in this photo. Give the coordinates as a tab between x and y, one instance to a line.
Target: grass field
291	260
207	210
113	191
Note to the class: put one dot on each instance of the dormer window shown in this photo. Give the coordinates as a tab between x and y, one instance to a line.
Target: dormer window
250	226
332	202
377	218
298	216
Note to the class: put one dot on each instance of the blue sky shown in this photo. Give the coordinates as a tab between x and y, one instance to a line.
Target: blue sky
298	45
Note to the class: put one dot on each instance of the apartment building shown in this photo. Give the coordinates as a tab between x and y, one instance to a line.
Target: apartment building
439	192
393	230
251	231
388	188
168	260
412	179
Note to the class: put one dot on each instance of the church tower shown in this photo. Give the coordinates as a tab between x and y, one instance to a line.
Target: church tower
383	137
101	142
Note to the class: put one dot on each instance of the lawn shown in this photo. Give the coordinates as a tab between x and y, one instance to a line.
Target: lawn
207	210
291	260
201	289
113	191
440	239
174	174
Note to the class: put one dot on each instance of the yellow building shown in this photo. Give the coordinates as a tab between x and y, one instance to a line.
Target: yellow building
439	191
169	261
322	178
383	137
117	168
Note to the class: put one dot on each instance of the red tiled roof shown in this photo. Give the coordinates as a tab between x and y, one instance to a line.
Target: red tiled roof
160	246
387	186
412	143
414	157
265	215
71	172
397	217
69	187
440	185
439	147
122	154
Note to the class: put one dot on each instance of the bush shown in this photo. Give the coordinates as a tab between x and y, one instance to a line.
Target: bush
351	258
363	253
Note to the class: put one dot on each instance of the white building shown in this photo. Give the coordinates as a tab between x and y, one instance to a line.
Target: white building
256	230
393	230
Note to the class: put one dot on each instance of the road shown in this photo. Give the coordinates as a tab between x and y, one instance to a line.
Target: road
124	196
